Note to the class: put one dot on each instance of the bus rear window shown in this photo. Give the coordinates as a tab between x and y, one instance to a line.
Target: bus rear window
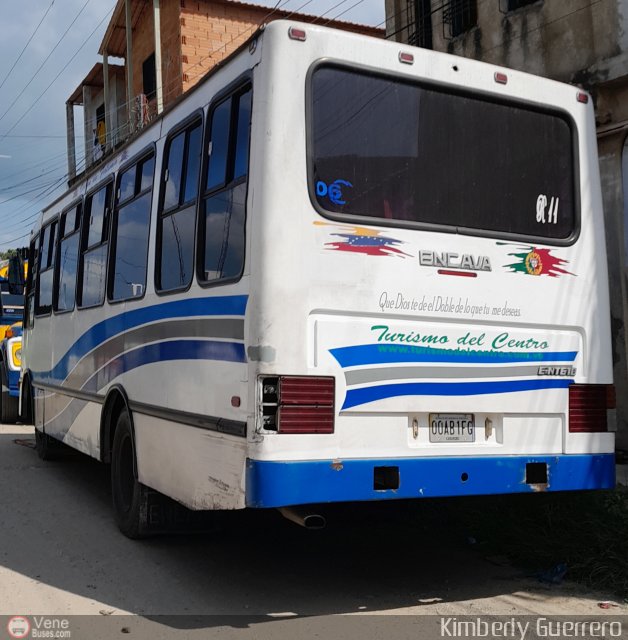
413	155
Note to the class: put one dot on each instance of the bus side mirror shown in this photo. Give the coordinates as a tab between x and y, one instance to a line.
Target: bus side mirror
16	275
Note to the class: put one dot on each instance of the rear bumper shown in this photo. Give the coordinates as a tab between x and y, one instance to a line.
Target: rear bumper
279	483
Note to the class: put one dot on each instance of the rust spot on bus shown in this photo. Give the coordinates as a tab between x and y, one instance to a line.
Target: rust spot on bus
336	465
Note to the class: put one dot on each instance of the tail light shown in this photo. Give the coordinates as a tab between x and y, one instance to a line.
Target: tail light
588	405
298	404
295	33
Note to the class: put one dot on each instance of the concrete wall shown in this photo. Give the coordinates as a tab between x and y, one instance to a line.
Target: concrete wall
117	107
553	38
612	167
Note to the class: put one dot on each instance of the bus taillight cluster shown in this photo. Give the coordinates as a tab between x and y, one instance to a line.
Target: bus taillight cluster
588	407
298	404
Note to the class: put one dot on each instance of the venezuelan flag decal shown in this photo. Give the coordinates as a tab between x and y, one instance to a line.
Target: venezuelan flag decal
356	239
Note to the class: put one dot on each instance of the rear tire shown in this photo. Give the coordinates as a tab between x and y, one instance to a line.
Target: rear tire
129	496
8	404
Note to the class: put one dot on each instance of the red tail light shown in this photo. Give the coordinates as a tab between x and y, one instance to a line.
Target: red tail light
298	404
296	34
588	404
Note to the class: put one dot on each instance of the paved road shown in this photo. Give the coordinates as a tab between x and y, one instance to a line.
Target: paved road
60	553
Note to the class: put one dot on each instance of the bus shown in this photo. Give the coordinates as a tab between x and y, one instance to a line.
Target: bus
339	269
13	273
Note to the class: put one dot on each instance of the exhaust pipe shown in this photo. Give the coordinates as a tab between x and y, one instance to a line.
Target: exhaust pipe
303	518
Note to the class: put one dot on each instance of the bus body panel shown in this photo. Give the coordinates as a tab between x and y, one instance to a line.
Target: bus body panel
374	306
404	340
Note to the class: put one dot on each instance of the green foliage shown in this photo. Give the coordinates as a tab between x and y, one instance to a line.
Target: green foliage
586	530
9	253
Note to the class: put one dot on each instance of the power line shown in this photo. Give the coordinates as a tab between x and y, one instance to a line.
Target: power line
24	193
329	10
38	136
32	165
21	93
26	45
26	235
57	76
37	177
43	194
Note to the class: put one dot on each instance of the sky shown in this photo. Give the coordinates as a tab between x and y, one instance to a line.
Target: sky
47	47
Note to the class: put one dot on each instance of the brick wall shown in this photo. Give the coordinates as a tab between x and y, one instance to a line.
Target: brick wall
210	31
171	50
143	45
198	34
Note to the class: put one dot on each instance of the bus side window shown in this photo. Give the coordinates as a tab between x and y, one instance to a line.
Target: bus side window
223	207
31	279
95	240
67	259
131	224
177	213
43	298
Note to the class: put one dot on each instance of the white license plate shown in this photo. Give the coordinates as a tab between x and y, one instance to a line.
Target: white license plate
452	427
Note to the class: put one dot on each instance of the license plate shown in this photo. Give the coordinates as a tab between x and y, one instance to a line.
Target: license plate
452	427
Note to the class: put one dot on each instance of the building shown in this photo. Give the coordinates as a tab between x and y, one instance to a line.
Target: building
167	47
583	42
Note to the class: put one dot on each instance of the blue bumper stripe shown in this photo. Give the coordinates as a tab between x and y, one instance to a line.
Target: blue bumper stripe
356	397
277	484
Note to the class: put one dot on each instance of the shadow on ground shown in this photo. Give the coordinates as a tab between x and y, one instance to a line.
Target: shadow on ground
58	530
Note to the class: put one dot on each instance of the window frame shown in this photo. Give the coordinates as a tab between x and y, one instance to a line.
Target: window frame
55	292
31	280
152	72
186	123
454	91
421	37
525	5
53	245
83	248
237	88
137	160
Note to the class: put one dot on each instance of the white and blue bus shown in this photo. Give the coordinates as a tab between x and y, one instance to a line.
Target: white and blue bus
338	269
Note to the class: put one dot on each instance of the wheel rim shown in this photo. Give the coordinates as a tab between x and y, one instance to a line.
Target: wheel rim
126	478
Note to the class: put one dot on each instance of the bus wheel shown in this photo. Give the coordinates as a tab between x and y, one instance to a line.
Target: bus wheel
8	405
130	497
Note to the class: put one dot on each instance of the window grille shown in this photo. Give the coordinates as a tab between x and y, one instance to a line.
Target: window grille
419	20
458	17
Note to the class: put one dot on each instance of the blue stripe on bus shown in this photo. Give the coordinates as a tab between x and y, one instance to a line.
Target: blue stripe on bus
363	395
287	483
106	329
162	352
393	353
